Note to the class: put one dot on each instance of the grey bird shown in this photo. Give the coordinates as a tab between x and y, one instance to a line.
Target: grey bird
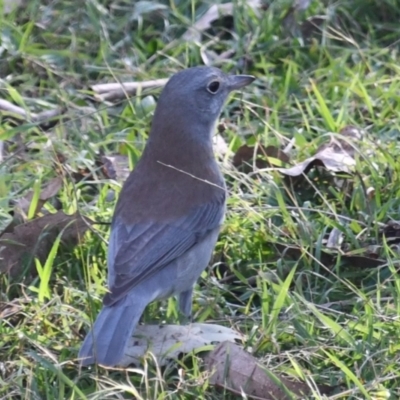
169	212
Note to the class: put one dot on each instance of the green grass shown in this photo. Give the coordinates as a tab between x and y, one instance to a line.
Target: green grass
323	319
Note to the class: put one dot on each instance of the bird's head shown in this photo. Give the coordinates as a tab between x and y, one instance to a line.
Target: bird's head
194	98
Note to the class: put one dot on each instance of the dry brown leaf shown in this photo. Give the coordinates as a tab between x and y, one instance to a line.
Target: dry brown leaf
10	308
236	370
335	156
49	190
36	238
391	229
115	167
327	158
168	342
345	141
246	154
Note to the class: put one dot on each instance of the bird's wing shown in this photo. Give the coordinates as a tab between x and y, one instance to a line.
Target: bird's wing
138	251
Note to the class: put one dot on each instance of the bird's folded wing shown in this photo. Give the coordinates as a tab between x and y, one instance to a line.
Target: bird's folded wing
138	251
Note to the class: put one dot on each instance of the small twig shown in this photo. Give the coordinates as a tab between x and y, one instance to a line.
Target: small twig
114	91
45	116
12	108
127	86
43	119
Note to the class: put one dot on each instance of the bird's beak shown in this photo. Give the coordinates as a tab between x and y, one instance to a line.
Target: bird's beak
238	81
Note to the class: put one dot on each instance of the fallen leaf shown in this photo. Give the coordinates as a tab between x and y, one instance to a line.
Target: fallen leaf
246	154
35	239
236	370
167	342
23	204
82	174
391	231
10	308
327	158
337	155
344	142
115	167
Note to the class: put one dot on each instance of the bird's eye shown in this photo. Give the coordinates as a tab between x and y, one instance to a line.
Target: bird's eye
213	87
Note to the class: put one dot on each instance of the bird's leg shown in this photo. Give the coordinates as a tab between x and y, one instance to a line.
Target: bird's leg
185	304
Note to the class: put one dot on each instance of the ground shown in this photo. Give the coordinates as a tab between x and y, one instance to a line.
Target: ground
305	267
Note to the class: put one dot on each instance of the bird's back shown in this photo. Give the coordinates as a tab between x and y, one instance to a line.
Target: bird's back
168	189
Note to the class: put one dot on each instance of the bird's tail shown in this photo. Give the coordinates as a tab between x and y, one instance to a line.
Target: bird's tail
105	343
